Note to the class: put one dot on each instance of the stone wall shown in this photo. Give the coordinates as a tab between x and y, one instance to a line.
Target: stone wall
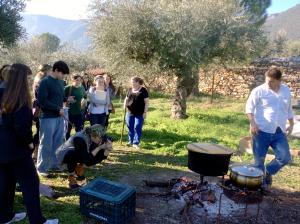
238	82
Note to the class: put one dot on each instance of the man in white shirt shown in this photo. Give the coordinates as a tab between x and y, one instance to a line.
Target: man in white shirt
268	108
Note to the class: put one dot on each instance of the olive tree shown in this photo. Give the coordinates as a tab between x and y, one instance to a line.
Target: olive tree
10	18
142	37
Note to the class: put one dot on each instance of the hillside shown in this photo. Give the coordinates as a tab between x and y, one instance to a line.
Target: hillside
289	21
73	31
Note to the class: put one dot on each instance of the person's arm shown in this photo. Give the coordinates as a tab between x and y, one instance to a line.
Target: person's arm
43	99
22	124
146	100
106	146
125	102
290	128
250	108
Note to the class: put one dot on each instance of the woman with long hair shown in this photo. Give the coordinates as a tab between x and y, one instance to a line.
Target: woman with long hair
99	100
136	104
16	164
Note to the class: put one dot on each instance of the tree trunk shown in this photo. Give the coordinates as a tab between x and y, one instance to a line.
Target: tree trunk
178	110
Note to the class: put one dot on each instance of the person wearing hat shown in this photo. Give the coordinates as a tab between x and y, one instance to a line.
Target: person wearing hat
74	94
87	147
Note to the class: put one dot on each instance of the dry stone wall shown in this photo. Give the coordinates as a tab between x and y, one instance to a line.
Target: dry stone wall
238	82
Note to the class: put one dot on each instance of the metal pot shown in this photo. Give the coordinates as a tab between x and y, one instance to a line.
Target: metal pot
246	176
208	159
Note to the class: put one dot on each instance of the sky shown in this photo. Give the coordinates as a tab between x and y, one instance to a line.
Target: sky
77	9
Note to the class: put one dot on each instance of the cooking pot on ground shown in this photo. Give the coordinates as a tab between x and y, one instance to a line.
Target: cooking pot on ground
246	176
208	159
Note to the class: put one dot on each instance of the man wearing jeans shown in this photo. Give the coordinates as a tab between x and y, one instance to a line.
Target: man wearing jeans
268	108
50	98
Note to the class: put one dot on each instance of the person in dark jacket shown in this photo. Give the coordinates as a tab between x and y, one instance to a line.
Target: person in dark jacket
16	163
50	98
87	147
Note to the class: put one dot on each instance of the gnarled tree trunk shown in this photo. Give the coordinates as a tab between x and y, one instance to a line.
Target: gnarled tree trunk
178	110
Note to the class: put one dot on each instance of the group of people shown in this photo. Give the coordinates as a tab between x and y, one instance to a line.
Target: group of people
53	145
268	109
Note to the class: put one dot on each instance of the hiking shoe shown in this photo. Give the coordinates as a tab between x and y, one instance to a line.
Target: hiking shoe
128	144
72	182
18	217
79	171
51	221
136	146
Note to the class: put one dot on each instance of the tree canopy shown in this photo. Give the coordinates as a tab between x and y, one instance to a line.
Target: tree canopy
10	18
166	36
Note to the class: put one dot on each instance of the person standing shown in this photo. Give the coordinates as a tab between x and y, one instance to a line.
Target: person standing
16	163
99	100
50	98
75	93
268	108
111	90
43	71
136	103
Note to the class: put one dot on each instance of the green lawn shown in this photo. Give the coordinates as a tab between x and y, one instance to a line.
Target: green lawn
164	148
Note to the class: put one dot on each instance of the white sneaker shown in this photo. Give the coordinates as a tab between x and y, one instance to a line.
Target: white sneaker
18	217
51	221
136	146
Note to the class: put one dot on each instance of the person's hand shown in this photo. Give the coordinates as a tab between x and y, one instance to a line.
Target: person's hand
113	110
254	128
289	129
61	112
71	99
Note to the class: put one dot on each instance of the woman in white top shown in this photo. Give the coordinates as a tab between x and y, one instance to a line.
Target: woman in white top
99	101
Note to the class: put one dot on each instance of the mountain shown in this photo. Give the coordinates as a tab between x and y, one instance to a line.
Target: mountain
71	31
289	21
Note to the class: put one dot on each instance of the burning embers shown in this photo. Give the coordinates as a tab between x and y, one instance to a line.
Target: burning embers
211	201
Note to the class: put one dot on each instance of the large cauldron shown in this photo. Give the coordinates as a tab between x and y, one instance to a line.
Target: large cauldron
208	159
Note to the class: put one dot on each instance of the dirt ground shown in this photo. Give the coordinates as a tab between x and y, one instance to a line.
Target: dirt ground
153	207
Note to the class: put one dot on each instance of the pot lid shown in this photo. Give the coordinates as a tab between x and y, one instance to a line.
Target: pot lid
209	148
247	170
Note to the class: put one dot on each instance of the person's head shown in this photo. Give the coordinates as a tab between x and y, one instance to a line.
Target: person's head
273	78
45	68
99	81
3	72
136	82
96	132
59	69
76	80
16	92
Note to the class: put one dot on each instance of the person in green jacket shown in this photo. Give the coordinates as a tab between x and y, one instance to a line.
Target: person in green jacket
74	94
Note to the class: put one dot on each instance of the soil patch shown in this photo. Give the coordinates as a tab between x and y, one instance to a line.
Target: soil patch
156	206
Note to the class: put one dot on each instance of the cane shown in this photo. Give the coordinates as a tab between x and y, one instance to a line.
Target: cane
122	132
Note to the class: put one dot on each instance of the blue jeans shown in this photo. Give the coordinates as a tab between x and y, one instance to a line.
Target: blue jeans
98	119
278	142
51	137
134	125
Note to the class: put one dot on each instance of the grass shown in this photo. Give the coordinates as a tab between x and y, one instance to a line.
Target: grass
164	148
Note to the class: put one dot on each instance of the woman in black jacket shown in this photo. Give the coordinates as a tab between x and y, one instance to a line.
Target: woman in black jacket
16	164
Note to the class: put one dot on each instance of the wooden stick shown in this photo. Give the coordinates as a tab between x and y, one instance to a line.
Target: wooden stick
123	124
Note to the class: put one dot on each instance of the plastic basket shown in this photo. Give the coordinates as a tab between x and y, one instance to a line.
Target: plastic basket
108	202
